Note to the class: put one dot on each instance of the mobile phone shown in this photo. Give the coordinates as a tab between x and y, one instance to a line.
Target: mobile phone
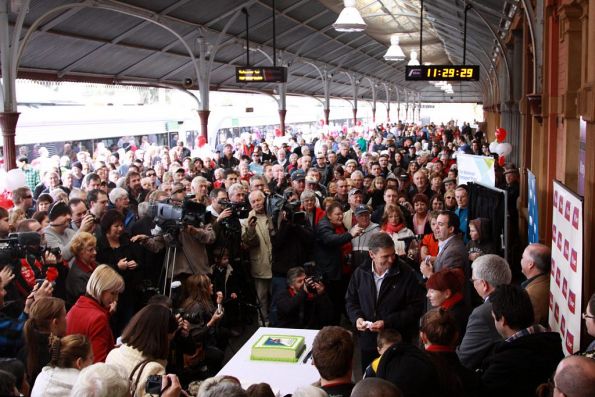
153	385
39	281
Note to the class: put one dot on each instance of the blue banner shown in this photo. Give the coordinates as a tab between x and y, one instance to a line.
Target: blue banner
533	228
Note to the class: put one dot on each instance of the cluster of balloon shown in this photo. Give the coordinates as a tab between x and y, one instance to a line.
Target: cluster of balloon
11	180
500	147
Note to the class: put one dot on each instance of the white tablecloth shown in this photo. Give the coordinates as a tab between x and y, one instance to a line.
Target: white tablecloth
283	377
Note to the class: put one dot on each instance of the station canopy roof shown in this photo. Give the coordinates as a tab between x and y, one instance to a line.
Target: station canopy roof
91	41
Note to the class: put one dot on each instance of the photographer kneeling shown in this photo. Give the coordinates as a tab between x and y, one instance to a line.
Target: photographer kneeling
304	304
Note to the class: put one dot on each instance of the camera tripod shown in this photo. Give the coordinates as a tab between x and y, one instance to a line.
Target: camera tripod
172	241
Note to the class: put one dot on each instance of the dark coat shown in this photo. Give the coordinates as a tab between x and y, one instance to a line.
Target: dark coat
292	246
516	368
480	337
455	380
327	249
301	310
410	369
453	254
400	302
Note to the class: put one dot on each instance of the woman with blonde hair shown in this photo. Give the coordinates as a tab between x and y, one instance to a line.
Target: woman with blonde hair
83	247
68	356
90	314
393	223
47	318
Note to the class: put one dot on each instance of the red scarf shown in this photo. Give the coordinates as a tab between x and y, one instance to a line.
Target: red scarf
440	349
345	249
453	300
393	229
85	267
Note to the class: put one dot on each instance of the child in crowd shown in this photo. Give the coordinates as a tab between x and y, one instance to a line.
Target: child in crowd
385	339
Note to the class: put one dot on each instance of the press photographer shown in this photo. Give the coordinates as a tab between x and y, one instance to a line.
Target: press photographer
304	303
32	261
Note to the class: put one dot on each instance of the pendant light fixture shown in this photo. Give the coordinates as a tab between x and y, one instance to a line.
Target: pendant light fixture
394	53
349	19
413	61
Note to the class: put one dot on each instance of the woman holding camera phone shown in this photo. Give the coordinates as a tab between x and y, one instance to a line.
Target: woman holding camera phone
198	308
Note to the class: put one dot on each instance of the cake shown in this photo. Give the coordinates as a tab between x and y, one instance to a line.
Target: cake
286	348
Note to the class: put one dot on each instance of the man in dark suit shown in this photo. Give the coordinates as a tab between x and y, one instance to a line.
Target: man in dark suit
452	251
488	272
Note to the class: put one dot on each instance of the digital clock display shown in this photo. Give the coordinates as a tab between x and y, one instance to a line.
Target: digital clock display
442	73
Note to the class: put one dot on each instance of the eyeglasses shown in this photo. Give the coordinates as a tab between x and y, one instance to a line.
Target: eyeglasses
586	316
151	174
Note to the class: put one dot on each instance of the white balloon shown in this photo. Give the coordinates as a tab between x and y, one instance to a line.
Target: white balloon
504	149
15	179
493	146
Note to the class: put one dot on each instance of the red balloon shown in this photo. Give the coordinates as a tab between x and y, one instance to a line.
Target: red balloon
501	161
500	135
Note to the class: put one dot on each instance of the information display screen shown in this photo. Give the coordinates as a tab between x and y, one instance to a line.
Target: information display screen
442	73
265	74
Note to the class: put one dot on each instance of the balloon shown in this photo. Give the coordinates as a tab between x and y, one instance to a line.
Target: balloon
501	161
504	149
15	179
500	134
493	146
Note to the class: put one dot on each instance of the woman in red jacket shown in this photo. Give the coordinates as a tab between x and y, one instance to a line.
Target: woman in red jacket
90	314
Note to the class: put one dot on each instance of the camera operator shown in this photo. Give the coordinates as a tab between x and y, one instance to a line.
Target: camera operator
191	257
36	263
304	303
292	246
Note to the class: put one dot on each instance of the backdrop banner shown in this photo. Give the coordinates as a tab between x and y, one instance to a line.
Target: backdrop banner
566	280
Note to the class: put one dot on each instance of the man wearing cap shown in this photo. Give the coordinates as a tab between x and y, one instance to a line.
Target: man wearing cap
59	234
228	161
449	184
360	253
298	181
354	199
323	168
511	174
77	174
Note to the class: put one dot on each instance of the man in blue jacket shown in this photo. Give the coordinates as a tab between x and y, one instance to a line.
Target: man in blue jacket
383	294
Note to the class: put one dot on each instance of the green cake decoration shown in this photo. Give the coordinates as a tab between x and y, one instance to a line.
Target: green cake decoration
286	348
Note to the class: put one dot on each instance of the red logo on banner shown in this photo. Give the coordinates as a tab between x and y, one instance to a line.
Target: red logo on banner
558	277
573	260
567	211
571	301
566	249
575	218
551	300
563	327
554	230
565	287
559	241
557	312
569	342
555	199
553	266
561	204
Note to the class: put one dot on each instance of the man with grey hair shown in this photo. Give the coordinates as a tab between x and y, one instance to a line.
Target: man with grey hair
256	235
200	188
575	377
535	265
488	272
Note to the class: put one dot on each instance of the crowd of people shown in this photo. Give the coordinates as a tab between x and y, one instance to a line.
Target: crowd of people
142	261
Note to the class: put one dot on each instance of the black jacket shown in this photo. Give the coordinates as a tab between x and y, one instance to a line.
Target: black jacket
292	246
400	302
410	369
327	250
300	310
517	367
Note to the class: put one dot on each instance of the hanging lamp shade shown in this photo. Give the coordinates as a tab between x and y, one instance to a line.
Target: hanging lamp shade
349	19
394	53
413	61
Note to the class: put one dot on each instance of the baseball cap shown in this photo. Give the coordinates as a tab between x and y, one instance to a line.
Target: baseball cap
354	191
361	209
298	175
